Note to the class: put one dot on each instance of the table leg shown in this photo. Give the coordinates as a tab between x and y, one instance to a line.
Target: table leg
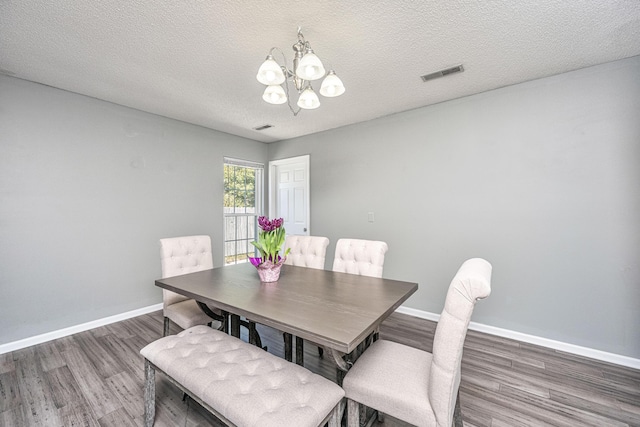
205	308
253	333
288	343
299	351
235	325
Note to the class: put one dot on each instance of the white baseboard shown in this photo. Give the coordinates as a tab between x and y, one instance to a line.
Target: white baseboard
532	339
38	339
492	330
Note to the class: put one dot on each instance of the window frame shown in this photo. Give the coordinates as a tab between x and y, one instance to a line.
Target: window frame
251	226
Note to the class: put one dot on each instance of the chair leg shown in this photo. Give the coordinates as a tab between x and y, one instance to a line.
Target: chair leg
457	413
353	413
336	415
149	394
165	331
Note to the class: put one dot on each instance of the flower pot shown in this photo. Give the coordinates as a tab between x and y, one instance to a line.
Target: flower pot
268	271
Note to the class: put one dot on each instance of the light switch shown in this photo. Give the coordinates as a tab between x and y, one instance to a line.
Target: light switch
370	216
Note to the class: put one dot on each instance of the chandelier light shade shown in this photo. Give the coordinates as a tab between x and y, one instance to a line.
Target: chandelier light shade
306	68
308	99
274	94
310	67
331	85
270	72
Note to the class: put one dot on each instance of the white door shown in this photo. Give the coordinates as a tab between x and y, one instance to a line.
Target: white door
289	193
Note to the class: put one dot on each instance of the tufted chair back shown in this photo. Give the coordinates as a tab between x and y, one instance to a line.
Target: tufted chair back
470	284
306	251
183	255
422	390
362	257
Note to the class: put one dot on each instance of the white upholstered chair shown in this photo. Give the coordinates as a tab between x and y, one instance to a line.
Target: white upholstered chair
362	257
306	251
412	385
310	252
183	255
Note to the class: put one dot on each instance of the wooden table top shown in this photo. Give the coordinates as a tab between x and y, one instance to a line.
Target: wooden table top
336	310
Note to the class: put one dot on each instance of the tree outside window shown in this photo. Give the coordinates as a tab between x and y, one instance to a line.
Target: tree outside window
243	183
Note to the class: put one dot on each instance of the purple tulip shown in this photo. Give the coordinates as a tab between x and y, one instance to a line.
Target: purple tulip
268	226
270	240
264	223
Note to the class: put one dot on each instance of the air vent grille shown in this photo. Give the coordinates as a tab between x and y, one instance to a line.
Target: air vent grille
263	127
442	73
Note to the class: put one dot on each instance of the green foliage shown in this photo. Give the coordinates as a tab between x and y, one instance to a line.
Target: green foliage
239	187
270	239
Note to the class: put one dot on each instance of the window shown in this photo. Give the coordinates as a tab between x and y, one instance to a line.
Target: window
243	196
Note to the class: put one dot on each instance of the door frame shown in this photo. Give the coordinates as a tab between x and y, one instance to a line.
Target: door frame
273	182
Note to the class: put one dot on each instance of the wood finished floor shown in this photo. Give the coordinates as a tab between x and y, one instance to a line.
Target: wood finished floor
95	378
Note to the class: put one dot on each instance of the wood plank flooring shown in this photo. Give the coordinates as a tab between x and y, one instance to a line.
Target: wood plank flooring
95	378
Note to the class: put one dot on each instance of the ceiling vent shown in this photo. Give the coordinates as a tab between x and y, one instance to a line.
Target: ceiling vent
442	73
263	127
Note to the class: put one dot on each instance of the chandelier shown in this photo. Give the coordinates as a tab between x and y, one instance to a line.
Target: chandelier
307	67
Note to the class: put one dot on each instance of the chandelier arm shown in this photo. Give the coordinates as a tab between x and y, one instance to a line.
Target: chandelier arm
288	74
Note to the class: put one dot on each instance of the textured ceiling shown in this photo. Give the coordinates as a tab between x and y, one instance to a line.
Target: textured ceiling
196	61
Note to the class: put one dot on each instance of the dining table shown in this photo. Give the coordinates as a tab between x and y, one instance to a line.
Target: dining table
337	311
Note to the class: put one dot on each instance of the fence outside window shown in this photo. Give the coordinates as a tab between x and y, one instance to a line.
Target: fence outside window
243	201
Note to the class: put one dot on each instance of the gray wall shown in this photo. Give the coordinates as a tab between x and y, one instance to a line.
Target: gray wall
542	179
86	190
